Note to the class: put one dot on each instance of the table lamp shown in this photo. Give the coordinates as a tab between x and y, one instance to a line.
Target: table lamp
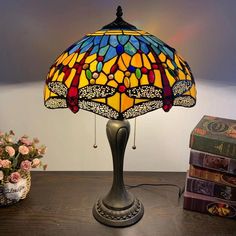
119	72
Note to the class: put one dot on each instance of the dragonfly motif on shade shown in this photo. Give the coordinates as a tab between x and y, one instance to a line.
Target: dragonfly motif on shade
119	73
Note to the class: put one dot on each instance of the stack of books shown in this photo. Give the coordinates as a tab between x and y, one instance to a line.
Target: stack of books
211	179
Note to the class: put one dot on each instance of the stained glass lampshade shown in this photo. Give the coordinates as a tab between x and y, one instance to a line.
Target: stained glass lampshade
119	72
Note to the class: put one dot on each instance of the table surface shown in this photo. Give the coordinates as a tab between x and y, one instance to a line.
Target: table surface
60	203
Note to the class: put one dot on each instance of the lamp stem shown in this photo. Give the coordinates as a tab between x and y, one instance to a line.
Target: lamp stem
118	208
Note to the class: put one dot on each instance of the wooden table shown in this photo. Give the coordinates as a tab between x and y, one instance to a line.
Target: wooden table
60	203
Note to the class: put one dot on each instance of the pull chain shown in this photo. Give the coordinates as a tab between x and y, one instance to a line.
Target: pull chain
134	145
95	131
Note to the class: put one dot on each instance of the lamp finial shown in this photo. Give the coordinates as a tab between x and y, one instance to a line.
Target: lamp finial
119	12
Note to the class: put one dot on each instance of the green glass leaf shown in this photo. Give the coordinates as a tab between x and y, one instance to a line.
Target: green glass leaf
99	67
88	74
138	73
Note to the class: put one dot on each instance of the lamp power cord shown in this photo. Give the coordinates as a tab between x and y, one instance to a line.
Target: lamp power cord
180	189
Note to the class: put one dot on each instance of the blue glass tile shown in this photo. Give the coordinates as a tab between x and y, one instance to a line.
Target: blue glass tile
162	49
88	41
150	40
134	42
130	49
103	50
97	40
104	41
113	41
120	49
95	50
131	69
123	39
157	40
144	48
141	38
73	49
110	54
169	52
156	50
84	49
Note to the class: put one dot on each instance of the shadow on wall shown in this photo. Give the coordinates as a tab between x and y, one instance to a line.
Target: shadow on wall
34	33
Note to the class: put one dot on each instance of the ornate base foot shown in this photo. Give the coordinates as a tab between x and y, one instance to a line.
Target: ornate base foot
118	218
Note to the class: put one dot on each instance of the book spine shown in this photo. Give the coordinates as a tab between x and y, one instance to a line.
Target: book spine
213	176
214	146
212	189
212	162
212	206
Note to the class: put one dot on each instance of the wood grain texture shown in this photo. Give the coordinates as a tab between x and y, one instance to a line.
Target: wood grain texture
60	203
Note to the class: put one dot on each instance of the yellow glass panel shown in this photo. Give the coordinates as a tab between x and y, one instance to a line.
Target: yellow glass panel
102	79
168	62
73	60
55	76
111	32
80	57
162	57
51	72
193	91
158	81
62	59
187	70
107	65
136	60
181	75
137	100
187	93
67	60
177	62
126	82
151	57
119	76
170	78
91	58
133	81
126	59
53	94
61	76
70	77
93	66
114	101
126	102
121	64
146	62
112	83
83	80
126	32
144	80
46	93
102	100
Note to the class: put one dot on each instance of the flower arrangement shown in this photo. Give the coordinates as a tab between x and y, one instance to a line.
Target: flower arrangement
18	157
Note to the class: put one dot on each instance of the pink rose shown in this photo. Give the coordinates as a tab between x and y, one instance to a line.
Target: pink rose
5	163
42	150
23	150
15	177
25	165
10	150
26	141
35	163
1	175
